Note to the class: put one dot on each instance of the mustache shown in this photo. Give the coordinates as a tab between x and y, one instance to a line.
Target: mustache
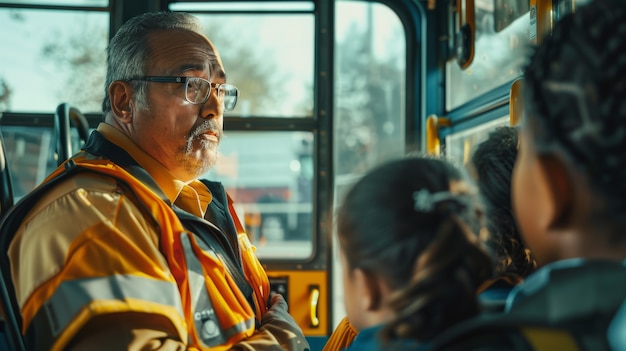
208	125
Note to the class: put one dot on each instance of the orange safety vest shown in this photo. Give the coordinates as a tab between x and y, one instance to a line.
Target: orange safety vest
213	312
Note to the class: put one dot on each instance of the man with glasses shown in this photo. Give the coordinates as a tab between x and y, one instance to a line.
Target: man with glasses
123	247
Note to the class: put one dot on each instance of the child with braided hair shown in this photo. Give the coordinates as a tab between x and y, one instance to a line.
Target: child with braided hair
411	254
492	165
569	193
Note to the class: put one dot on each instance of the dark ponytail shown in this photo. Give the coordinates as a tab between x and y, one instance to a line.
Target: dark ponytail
442	290
415	223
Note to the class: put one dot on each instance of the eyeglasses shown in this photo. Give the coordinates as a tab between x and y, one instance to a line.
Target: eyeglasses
197	90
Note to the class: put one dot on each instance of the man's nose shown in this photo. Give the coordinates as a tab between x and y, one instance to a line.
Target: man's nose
213	107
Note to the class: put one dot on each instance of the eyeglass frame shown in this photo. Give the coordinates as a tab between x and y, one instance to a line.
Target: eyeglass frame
184	80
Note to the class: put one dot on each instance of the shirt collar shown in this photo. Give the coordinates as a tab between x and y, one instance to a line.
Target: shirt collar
194	198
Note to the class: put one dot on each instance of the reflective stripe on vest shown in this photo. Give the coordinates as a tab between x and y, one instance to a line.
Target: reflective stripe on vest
76	299
207	324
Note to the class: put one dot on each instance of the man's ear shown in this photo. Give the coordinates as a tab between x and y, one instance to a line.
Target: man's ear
372	291
121	94
559	186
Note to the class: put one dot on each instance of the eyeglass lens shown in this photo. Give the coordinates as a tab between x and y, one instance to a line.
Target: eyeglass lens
198	90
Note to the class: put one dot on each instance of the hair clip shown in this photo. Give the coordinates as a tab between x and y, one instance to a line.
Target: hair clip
425	201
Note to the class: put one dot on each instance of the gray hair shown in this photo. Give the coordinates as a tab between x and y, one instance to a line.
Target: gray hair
128	51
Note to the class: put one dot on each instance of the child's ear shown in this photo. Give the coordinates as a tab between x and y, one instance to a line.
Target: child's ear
369	284
559	188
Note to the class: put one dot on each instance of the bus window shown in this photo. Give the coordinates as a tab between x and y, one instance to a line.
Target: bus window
55	56
370	51
30	156
507	11
271	63
459	146
369	112
270	177
498	56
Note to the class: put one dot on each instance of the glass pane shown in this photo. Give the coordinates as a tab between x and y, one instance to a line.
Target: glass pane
507	11
271	63
369	111
270	177
498	57
50	57
30	156
370	51
98	3
459	146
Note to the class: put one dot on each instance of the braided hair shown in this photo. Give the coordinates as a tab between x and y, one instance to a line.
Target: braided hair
412	222
493	162
575	98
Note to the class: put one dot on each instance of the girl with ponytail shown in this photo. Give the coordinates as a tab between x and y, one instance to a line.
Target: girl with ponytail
411	254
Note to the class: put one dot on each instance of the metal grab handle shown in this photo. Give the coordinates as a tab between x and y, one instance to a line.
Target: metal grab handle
66	113
433	124
313	300
6	188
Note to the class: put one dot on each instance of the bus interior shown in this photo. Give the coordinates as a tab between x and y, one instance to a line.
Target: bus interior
328	90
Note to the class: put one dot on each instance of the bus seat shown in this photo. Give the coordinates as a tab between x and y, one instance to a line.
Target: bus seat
66	113
10	328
